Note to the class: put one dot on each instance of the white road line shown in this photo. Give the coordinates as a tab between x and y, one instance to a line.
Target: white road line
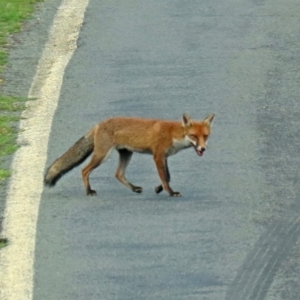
26	184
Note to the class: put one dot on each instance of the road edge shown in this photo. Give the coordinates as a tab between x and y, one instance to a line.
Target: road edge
26	184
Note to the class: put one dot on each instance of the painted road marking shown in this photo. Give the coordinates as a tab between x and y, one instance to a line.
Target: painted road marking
26	184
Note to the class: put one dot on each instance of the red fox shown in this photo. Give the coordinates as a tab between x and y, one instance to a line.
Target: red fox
161	138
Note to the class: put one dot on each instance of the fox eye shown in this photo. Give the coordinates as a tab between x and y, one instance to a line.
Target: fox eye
193	137
206	137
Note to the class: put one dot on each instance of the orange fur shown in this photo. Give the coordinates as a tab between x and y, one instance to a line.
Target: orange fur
161	138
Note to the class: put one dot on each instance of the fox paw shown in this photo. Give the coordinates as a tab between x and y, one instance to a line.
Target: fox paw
137	189
175	194
91	193
158	189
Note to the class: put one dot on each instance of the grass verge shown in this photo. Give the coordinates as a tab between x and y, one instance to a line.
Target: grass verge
3	243
8	132
13	13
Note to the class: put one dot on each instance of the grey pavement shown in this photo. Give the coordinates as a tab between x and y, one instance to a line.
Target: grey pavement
234	234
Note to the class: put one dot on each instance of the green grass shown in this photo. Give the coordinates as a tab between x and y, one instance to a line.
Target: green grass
3	243
13	13
8	132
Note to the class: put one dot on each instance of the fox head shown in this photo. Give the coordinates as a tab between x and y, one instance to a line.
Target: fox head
197	133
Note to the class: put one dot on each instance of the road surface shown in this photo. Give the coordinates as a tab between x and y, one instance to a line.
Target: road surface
235	232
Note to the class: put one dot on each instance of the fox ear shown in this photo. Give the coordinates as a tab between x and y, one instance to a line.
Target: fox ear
208	120
186	120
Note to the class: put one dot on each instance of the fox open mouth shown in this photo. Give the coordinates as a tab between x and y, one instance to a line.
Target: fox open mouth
199	152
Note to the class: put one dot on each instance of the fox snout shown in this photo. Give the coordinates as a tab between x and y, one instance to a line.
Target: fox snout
199	149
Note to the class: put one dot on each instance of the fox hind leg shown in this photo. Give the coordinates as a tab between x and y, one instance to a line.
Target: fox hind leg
86	171
97	159
125	156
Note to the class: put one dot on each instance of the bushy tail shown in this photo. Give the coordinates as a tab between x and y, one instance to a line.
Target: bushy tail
72	158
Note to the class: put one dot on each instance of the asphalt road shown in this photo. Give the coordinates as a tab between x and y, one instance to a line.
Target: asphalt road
234	233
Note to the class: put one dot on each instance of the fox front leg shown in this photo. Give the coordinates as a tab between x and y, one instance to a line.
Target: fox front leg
164	174
160	188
